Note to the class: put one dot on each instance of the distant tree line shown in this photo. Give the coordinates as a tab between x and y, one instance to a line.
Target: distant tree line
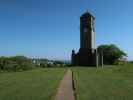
16	63
22	63
44	63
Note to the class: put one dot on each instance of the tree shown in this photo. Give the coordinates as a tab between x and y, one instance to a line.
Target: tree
16	63
3	61
111	53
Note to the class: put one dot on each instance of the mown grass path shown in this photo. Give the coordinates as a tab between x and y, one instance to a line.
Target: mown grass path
38	84
65	90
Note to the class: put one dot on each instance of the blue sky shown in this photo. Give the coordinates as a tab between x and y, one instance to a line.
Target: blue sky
50	28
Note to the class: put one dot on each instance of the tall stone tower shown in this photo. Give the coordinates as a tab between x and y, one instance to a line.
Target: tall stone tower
87	52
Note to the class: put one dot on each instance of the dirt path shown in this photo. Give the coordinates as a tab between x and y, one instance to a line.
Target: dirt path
65	90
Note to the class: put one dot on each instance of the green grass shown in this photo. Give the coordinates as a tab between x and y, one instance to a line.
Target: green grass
39	84
110	83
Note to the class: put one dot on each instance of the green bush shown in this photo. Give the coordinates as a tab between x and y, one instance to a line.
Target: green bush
16	63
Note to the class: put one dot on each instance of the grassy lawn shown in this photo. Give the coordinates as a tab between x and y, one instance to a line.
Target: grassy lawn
110	83
39	84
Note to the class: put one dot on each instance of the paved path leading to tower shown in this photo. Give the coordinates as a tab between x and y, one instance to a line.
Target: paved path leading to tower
65	90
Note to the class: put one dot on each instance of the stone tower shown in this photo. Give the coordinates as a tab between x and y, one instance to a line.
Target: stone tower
87	52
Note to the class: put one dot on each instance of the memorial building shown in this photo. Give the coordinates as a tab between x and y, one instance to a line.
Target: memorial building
87	55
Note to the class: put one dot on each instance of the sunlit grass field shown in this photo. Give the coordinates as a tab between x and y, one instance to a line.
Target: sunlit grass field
38	84
109	83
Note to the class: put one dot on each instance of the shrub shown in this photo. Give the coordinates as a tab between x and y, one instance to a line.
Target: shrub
16	63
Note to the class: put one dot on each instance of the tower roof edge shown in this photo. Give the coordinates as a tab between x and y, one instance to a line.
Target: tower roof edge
87	14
